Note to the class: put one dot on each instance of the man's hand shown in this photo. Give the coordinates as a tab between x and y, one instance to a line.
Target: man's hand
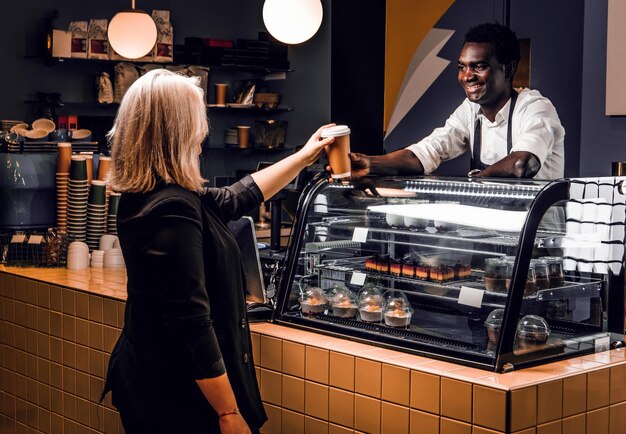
360	165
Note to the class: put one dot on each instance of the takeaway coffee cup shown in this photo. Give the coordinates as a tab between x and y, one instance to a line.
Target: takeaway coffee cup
220	93
338	151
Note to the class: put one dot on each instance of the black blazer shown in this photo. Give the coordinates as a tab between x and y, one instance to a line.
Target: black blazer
185	316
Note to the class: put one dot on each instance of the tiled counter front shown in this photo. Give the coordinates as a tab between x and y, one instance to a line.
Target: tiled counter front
57	328
54	346
316	384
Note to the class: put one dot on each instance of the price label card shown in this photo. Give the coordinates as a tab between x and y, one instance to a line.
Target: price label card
360	235
358	278
471	296
602	344
18	238
35	239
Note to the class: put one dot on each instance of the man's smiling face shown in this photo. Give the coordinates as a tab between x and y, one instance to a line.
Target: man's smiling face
481	75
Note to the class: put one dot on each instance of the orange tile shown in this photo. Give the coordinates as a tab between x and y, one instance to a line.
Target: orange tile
341	407
396	384
549	401
550	428
574	395
368	376
82	304
574	424
367	414
293	358
338	429
109	312
395	418
95	308
69	304
96	336
423	423
489	408
598	421
617	418
618	384
526	431
255	340
316	400
271	353
456	399
315	426
293	393
316	364
450	426
271	386
292	422
274	420
342	371
598	389
523	408
481	430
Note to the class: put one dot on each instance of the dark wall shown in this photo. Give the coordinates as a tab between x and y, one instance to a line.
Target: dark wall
307	88
603	138
556	36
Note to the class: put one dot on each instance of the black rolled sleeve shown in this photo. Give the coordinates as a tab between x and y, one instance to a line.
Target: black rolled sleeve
237	199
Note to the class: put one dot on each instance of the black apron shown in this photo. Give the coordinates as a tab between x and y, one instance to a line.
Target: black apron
476	164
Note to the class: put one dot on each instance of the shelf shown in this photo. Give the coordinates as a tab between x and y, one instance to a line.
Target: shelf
252	109
252	149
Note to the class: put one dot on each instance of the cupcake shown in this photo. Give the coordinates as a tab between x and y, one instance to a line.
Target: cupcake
371	303
343	302
398	310
313	301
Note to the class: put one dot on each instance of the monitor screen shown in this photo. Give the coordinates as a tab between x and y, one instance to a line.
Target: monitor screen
243	231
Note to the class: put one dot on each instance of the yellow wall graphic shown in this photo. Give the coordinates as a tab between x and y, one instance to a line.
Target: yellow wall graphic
411	47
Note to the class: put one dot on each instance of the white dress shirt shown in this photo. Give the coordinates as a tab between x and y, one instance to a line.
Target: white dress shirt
536	128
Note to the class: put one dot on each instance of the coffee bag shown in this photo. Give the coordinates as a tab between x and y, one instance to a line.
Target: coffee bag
164	48
97	43
79	38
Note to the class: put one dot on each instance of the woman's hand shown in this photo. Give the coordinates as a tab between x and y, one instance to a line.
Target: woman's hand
313	148
234	424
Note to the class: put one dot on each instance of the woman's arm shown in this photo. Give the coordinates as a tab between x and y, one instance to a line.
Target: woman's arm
272	179
220	395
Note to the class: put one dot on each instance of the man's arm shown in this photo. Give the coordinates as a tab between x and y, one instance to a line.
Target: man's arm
400	162
518	164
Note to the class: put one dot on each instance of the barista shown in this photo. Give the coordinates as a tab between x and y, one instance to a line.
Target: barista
510	133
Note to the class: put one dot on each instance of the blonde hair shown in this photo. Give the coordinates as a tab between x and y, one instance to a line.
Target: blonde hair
157	134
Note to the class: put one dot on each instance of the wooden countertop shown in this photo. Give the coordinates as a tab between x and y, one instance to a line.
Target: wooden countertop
112	283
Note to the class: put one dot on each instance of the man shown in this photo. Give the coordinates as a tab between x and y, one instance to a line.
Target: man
509	134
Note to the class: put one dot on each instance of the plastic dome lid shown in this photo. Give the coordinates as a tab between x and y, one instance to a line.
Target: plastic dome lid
495	318
533	324
371	296
313	293
395	300
336	131
343	296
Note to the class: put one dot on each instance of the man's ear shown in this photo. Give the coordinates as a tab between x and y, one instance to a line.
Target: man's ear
509	69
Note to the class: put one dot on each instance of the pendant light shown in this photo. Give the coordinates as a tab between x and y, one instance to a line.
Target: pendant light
292	21
132	33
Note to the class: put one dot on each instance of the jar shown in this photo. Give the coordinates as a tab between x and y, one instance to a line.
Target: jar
555	271
542	273
343	302
495	275
530	286
493	323
313	301
398	310
532	330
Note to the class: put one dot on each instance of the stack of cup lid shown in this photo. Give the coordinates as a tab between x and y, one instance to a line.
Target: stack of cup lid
64	157
114	200
97	259
77	256
104	164
113	258
78	193
96	221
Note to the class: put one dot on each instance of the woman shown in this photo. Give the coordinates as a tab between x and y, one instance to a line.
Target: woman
183	362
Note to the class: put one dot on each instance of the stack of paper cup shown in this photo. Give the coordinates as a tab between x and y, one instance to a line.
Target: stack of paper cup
96	222
64	157
114	200
97	259
78	193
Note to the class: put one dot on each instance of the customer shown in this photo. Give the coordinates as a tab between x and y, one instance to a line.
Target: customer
183	362
509	134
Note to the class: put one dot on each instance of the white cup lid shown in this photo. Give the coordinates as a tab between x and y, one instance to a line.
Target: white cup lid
336	131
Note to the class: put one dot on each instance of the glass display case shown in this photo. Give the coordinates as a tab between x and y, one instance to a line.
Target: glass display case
496	274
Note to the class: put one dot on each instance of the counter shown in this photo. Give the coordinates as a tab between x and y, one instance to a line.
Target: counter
58	327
